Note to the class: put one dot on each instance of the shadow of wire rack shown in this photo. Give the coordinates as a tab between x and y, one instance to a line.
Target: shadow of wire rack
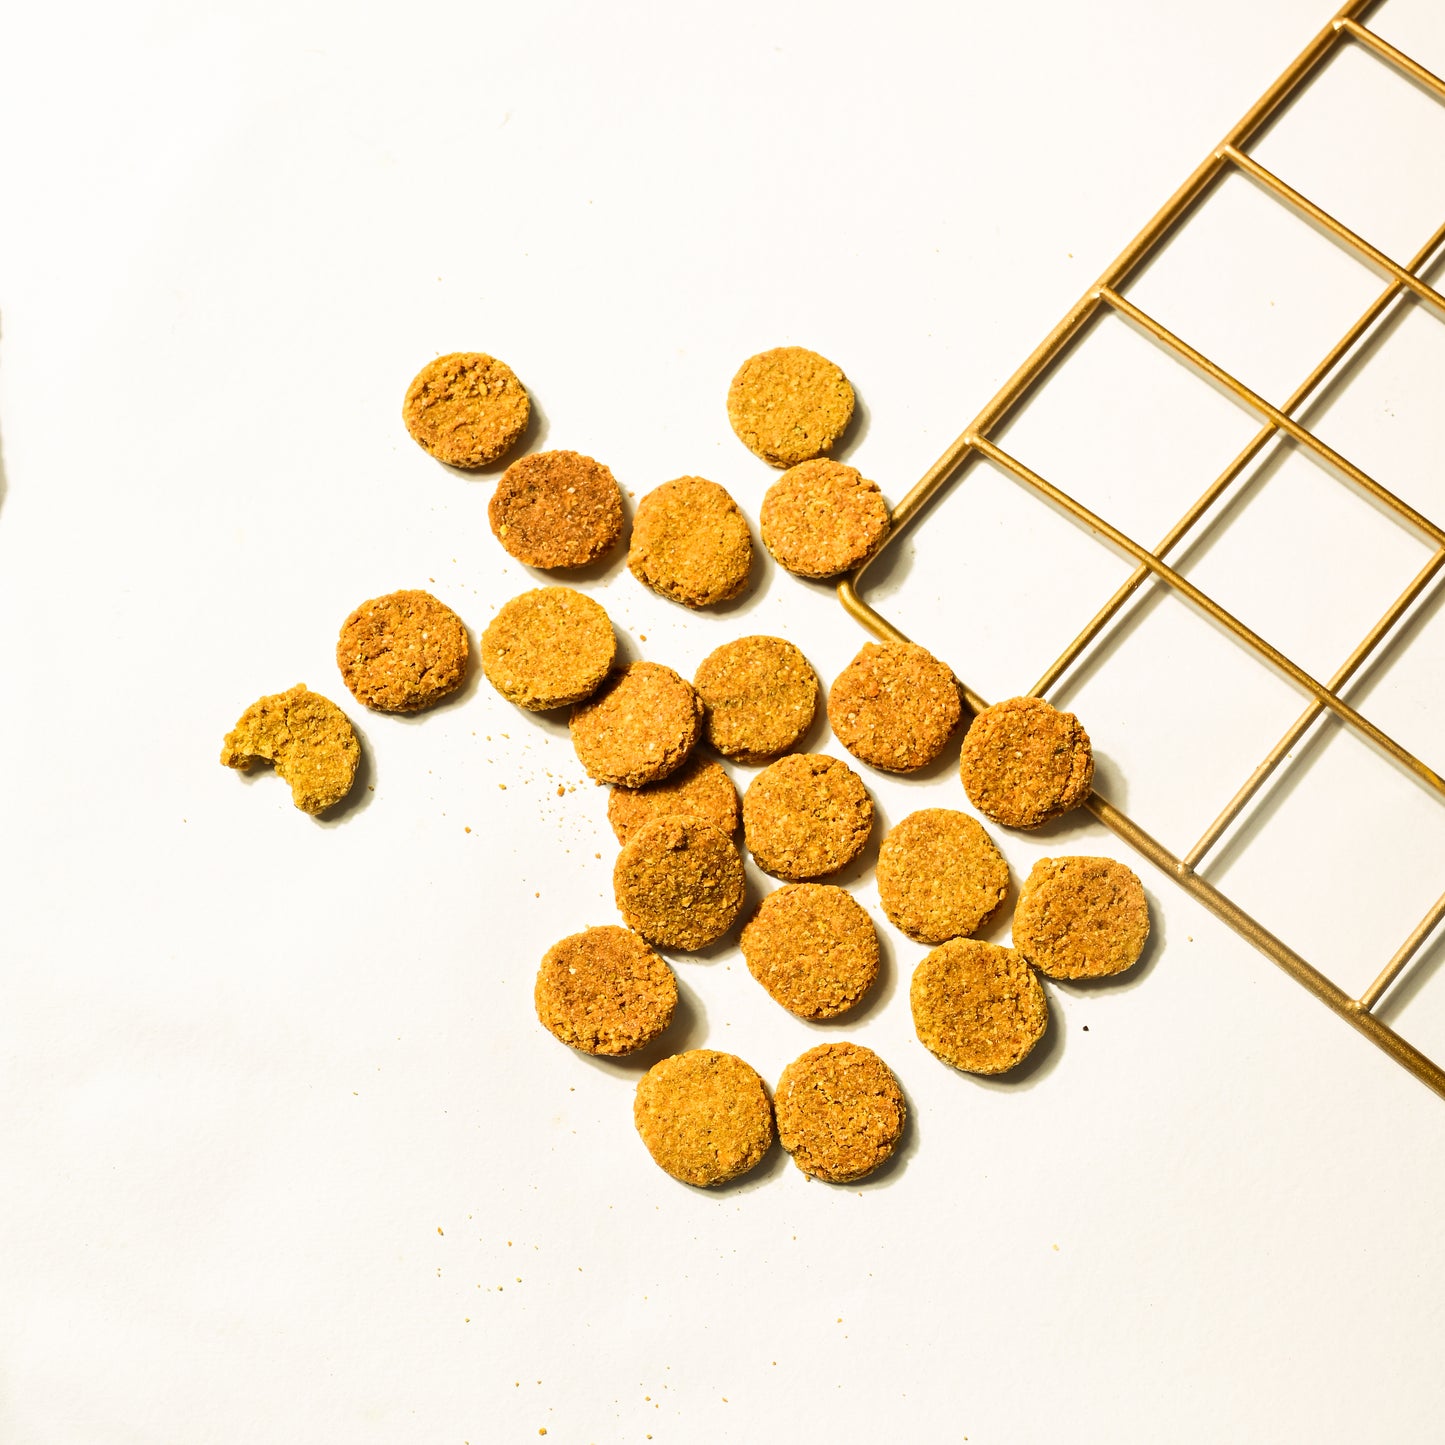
1277	423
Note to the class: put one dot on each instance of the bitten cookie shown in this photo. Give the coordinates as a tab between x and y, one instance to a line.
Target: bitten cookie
548	648
704	1116
805	816
403	652
698	789
604	991
466	409
1081	917
556	509
1023	762
690	543
840	1112
894	706
822	518
308	740
638	727
761	697
679	882
789	404
978	1007
814	949
939	875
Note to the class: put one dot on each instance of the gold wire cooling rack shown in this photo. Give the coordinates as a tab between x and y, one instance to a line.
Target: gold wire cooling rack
1104	297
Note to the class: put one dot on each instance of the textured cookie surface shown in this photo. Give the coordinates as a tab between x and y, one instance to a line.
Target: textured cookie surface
402	652
704	1116
977	1006
761	697
305	737
691	543
466	409
604	991
939	875
679	882
789	404
548	648
698	789
638	727
840	1112
1081	917
814	949
822	518
806	815
556	509
1023	762
894	706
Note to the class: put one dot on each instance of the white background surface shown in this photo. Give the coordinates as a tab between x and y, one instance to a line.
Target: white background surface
286	1155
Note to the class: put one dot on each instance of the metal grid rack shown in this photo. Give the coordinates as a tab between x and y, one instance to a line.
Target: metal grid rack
1103	297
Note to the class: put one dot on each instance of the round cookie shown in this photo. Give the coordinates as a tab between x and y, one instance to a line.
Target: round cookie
1081	917
939	875
556	509
894	706
704	1116
466	409
789	405
638	727
814	949
698	789
548	648
403	652
307	739
1023	762
679	882
604	991
806	815
840	1112
822	518
691	543
977	1006
761	697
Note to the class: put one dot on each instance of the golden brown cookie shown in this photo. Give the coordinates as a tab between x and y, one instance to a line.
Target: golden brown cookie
704	1116
822	518
308	740
761	697
894	706
806	815
679	882
789	404
466	409
691	543
814	949
939	875
604	991
1024	762
548	648
638	727
840	1112
556	509
403	652
977	1006
698	789
1081	917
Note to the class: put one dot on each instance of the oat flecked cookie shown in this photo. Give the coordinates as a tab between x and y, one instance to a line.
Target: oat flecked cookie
822	518
806	815
939	875
894	706
704	1116
604	991
403	652
691	543
1081	917
1024	762
977	1006
679	883
548	648
789	405
308	740
556	509
466	409
814	949
761	697
698	789
840	1112
638	727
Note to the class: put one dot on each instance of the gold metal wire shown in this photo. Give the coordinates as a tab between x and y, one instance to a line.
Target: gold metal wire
1105	295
